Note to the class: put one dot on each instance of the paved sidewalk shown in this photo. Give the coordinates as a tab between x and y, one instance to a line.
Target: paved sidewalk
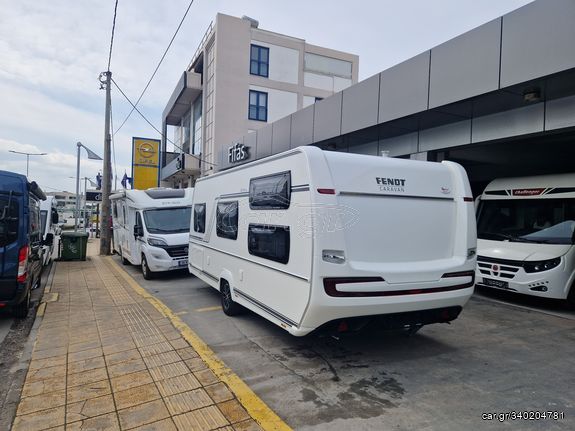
106	359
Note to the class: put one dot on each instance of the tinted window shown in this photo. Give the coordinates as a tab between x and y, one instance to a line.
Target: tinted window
271	191
167	220
8	220
227	220
200	218
269	242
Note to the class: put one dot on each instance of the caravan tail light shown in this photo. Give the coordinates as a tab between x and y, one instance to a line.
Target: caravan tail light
326	191
22	264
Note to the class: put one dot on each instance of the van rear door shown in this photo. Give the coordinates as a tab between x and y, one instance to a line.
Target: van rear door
10	219
408	215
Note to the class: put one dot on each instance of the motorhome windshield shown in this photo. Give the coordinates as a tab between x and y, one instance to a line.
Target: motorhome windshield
8	220
168	220
545	221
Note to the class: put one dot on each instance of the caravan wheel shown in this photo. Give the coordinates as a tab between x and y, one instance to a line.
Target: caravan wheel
230	307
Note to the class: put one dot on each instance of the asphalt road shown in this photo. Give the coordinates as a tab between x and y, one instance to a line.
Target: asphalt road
496	358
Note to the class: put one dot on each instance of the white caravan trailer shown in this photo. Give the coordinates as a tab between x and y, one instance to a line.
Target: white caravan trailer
309	238
151	228
50	228
526	231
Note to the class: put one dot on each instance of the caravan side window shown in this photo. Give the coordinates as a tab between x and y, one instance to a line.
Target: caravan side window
271	192
269	242
200	218
227	220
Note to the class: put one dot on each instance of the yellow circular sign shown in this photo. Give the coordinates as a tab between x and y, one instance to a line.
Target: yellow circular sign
146	150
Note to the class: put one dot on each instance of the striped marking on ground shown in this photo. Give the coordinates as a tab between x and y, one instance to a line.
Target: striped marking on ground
257	409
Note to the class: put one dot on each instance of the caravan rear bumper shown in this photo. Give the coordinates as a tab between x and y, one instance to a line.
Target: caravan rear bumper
327	309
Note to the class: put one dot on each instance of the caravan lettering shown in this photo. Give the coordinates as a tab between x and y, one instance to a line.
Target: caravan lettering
390	184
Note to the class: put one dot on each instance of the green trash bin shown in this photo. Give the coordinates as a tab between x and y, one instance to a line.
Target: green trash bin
73	245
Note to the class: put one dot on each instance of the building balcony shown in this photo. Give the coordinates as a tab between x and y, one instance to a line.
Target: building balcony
181	167
188	88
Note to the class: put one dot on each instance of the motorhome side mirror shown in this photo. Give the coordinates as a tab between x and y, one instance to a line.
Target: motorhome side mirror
49	239
138	231
55	218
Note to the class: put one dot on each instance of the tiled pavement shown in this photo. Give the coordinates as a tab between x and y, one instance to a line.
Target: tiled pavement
106	359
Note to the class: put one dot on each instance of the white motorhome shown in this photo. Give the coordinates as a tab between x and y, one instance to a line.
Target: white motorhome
50	228
526	231
309	238
151	228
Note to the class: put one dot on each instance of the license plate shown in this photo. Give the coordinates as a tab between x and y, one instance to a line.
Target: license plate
182	263
496	283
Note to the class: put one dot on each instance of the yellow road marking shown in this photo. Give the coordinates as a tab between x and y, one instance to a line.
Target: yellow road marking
179	313
208	309
41	309
257	409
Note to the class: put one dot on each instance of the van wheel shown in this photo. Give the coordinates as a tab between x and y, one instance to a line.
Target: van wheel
146	271
20	311
230	307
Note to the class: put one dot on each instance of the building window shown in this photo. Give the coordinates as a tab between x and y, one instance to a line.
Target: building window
258	106
259	60
227	220
272	192
200	218
269	242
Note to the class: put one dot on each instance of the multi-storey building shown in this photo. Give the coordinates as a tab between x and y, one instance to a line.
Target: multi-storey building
240	79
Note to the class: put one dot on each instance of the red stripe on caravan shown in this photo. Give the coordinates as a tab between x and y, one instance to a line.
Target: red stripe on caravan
326	191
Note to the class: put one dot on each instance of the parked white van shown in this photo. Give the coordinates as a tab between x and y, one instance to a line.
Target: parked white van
50	228
526	231
151	228
309	238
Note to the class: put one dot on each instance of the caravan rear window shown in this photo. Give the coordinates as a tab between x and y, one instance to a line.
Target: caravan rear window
200	218
269	242
271	191
227	220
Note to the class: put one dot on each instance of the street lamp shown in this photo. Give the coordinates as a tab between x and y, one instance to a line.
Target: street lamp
93	156
93	184
27	157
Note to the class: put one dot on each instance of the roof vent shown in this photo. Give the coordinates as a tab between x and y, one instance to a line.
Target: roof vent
254	23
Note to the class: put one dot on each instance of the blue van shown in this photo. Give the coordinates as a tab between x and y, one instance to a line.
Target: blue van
20	241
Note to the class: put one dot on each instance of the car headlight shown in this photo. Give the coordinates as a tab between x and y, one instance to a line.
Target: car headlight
543	265
157	242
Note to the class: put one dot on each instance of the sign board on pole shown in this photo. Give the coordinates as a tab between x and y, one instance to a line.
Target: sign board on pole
145	163
93	196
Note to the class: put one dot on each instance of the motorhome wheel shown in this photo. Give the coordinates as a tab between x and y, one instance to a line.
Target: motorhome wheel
146	272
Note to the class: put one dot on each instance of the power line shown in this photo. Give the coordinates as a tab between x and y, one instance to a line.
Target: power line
157	67
154	127
112	38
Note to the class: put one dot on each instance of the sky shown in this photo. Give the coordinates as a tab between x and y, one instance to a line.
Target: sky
52	52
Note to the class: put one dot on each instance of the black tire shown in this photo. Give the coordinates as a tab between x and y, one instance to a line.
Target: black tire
146	271
571	298
230	307
123	259
20	311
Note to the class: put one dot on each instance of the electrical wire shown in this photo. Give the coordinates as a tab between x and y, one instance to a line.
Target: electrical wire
156	69
155	128
112	37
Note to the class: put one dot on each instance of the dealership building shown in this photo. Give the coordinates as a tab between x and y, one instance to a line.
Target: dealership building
499	99
240	79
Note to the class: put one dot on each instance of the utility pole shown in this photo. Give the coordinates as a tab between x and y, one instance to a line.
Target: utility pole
106	231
